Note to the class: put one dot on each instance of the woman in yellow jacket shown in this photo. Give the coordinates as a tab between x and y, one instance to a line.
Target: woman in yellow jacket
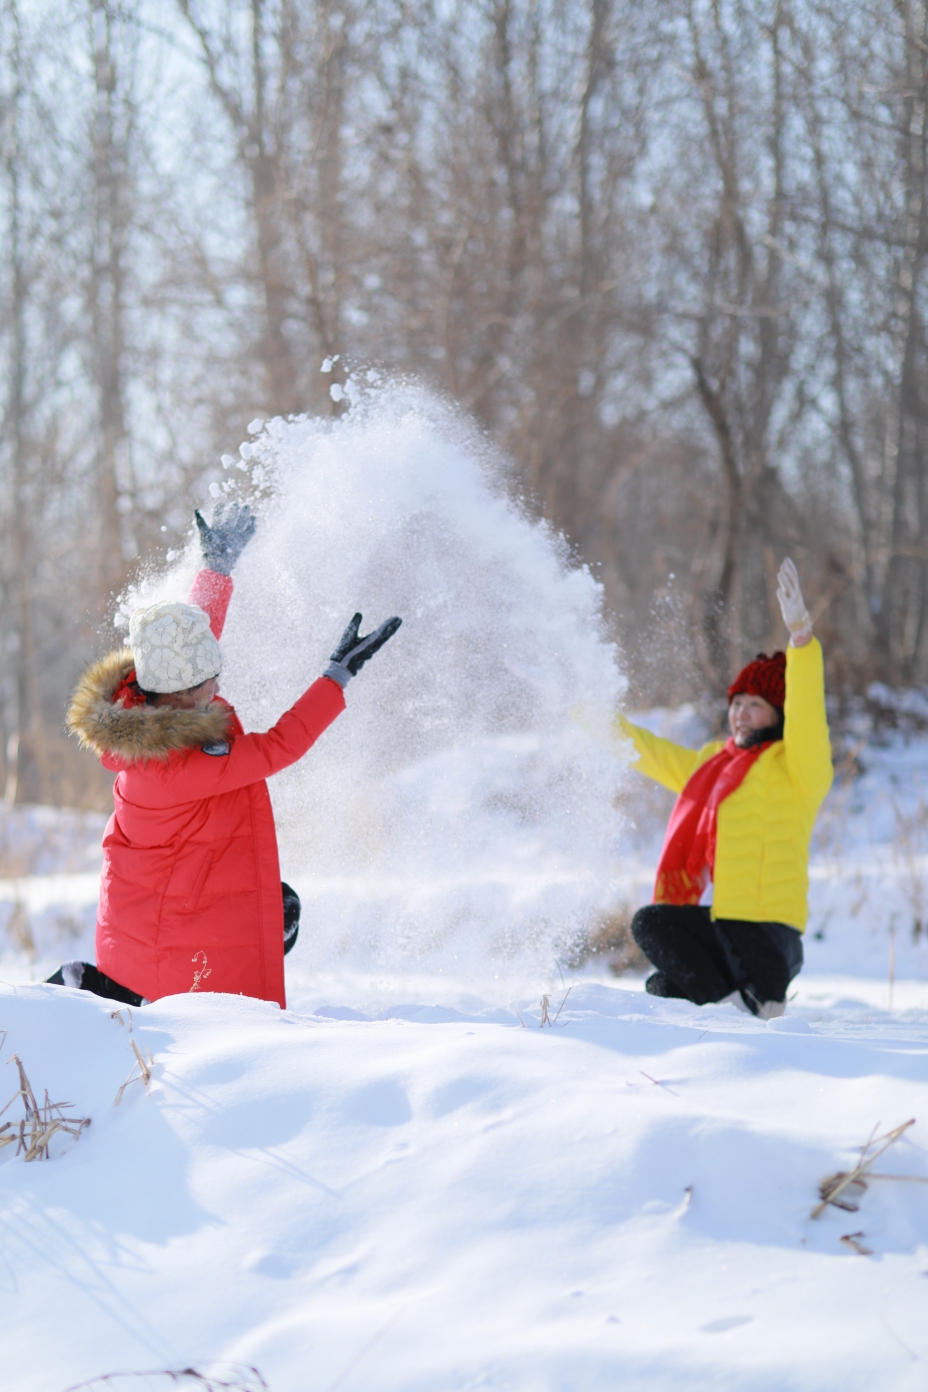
730	897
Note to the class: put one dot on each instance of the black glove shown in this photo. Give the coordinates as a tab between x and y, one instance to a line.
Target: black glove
352	652
223	542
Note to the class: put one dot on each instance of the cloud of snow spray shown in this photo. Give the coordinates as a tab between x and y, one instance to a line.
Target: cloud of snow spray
453	820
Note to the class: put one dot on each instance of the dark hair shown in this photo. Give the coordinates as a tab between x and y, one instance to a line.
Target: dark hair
152	696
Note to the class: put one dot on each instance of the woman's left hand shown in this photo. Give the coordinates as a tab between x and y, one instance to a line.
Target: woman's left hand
224	540
792	605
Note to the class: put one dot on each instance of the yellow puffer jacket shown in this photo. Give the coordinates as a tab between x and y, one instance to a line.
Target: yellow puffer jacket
764	827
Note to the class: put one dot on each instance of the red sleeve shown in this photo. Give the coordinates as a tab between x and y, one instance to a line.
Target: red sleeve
212	592
251	758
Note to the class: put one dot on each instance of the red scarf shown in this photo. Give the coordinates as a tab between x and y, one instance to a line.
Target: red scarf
687	861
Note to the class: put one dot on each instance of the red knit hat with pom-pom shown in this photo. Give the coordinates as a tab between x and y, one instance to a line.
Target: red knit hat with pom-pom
765	676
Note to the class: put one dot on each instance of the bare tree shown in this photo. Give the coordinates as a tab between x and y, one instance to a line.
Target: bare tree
111	135
27	734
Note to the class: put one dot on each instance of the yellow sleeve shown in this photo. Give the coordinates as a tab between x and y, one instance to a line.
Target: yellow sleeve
667	763
806	741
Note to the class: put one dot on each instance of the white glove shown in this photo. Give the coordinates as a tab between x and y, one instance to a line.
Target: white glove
792	605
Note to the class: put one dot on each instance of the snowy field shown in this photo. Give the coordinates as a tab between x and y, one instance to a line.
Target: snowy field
440	1199
409	1182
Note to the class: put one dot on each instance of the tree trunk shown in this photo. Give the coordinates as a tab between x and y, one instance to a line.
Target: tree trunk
27	738
117	543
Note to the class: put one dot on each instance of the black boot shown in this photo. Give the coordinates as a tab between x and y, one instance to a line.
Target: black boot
84	976
291	916
659	984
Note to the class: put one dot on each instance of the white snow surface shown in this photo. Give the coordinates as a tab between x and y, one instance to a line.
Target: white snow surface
433	1197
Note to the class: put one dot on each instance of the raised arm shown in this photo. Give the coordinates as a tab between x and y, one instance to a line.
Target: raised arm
222	541
667	763
212	592
241	760
805	730
661	759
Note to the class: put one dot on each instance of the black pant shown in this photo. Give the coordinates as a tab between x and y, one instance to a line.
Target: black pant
90	978
702	961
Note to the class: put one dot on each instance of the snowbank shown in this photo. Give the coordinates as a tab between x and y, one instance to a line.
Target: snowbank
439	1198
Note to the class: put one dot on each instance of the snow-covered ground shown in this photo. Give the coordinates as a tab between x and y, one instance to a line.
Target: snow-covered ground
396	1185
438	1198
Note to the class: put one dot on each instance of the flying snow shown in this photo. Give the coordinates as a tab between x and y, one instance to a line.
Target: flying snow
453	819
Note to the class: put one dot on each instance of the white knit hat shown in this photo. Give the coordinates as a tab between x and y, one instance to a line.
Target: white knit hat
173	646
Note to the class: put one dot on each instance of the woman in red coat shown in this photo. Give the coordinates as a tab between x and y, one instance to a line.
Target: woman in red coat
191	897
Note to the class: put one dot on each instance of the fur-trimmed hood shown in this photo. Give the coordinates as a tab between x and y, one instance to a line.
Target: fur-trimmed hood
138	732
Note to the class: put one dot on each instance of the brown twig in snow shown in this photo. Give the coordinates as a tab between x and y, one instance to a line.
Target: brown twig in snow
836	1184
657	1082
850	1240
143	1075
243	1379
562	1004
40	1123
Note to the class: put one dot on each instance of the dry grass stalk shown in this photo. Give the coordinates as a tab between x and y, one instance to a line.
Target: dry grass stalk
562	1004
117	1015
144	1071
545	1010
235	1378
657	1082
851	1240
858	1187
33	1134
853	1183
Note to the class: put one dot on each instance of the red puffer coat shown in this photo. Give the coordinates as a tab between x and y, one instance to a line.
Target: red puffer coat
190	897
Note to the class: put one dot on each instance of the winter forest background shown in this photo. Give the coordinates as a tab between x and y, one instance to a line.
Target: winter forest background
670	256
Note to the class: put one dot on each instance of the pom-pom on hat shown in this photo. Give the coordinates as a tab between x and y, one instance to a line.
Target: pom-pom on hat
173	646
765	676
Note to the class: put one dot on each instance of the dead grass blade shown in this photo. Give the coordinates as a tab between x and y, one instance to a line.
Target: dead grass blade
562	1004
842	1195
657	1083
851	1240
546	1010
233	1378
835	1185
144	1071
33	1134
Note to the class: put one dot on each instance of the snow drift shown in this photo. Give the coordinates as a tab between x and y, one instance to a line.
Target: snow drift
440	1199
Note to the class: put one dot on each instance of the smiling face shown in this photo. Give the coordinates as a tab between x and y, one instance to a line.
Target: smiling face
747	714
